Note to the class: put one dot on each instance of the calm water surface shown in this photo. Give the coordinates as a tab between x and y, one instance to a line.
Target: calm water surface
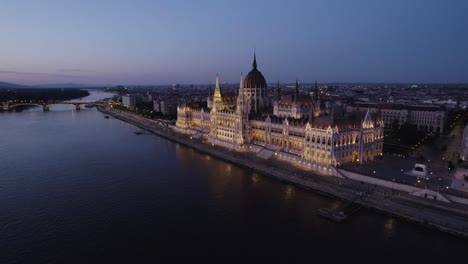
76	187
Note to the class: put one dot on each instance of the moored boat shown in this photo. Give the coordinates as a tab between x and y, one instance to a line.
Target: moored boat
332	215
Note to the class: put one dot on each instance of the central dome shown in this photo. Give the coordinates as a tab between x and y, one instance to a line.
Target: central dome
254	78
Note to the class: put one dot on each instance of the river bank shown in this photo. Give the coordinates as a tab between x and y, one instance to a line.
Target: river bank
378	197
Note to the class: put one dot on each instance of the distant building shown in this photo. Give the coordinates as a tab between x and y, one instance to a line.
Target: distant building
132	99
128	100
166	107
153	96
426	118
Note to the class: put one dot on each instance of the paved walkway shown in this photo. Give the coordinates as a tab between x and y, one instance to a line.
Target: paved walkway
394	167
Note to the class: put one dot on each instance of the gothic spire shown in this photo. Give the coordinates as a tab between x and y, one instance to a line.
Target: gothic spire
332	116
255	61
240	98
316	92
217	91
296	95
311	116
278	93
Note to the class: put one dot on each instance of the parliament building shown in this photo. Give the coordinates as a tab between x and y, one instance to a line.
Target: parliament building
293	128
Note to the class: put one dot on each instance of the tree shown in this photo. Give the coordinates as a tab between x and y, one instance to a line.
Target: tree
395	125
409	134
451	166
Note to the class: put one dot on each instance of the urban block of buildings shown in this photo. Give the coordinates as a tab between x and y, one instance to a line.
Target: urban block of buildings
166	106
426	118
298	130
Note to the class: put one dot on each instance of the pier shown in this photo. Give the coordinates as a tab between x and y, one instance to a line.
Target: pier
341	213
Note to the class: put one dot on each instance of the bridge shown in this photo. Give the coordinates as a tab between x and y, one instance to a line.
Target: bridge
45	105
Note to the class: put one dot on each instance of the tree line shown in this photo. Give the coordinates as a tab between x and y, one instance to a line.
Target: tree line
40	94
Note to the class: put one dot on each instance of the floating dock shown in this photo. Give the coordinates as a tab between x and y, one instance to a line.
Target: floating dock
342	213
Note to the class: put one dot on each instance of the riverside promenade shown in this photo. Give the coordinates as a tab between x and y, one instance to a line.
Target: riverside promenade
449	218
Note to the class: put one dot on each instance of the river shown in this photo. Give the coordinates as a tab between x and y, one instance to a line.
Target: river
76	187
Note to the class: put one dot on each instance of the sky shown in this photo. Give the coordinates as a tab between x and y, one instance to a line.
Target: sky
189	42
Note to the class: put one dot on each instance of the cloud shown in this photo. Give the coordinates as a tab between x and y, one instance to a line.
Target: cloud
74	70
56	75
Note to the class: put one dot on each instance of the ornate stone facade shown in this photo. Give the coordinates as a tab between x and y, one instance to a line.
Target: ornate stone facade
296	132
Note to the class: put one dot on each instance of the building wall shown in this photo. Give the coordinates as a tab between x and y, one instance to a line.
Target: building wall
292	110
315	148
128	100
166	107
425	120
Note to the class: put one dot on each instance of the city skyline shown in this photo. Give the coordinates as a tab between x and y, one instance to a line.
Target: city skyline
151	43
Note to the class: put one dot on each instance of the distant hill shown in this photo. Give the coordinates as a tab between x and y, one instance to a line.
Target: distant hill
12	85
50	85
61	85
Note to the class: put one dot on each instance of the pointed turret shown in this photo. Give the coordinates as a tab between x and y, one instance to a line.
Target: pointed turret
367	123
217	92
296	93
241	103
316	92
378	116
278	92
254	64
311	116
217	100
332	116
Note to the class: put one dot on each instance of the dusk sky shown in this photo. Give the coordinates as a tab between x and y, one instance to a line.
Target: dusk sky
165	42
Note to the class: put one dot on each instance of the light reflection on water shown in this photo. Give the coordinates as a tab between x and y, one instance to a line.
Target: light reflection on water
390	226
288	192
255	178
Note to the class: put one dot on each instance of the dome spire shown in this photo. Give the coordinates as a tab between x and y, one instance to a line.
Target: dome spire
278	93
316	92
296	95
255	61
241	85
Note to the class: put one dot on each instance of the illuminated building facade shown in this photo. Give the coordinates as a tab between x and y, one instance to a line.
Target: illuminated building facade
297	131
